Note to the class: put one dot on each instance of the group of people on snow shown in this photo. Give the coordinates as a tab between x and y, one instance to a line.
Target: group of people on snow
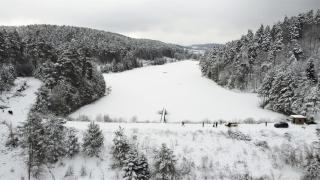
215	124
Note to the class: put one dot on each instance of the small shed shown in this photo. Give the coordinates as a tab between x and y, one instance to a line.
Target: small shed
297	119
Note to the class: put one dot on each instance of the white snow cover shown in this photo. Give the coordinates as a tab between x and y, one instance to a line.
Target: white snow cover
297	116
178	87
209	151
213	154
19	103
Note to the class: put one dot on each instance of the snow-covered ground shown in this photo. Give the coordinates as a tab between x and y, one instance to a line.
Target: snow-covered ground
202	152
19	102
178	87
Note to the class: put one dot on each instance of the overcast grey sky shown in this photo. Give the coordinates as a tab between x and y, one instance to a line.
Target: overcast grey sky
182	22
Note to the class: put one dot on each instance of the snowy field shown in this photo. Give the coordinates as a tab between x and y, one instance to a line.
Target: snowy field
178	87
19	102
263	152
202	152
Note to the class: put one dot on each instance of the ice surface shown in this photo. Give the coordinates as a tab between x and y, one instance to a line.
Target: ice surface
178	87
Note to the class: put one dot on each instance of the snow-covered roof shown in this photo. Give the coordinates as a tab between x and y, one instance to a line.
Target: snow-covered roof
298	116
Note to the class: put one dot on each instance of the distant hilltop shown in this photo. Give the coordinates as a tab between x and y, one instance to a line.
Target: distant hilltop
203	46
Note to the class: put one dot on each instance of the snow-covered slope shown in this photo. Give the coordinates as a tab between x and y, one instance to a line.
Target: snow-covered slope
202	152
19	102
11	162
180	88
208	152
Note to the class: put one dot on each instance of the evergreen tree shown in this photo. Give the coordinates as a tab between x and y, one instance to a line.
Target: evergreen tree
287	92
72	144
286	23
259	36
120	67
87	66
87	92
316	19
310	71
114	66
312	101
296	49
121	147
277	86
294	30
93	89
47	73
92	140
2	48
63	98
129	59
278	38
100	85
12	140
32	139
7	77
241	79
266	40
309	17
13	47
40	51
301	19
265	88
252	54
55	146
249	36
277	44
135	167
69	66
43	100
299	105
164	163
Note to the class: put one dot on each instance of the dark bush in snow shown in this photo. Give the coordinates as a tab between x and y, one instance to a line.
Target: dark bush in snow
312	171
245	176
262	144
237	135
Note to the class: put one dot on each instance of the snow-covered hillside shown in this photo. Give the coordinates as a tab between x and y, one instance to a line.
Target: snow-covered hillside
180	88
202	152
252	150
19	102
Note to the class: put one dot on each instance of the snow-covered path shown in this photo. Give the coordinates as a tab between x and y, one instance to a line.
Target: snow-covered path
178	87
19	105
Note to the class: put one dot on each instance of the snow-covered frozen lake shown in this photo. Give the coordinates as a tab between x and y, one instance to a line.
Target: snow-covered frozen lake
208	151
181	89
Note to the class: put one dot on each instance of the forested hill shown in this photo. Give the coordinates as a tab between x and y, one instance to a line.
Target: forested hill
34	44
65	58
280	62
205	47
